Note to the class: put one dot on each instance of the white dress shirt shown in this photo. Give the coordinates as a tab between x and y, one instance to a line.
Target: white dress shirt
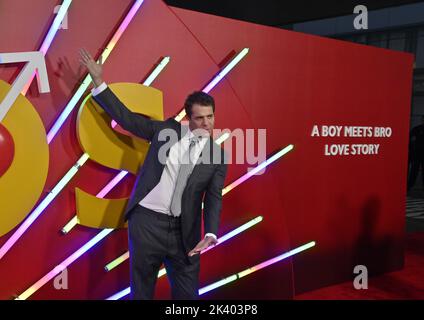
160	197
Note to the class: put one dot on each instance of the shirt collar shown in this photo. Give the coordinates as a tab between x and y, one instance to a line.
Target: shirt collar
189	134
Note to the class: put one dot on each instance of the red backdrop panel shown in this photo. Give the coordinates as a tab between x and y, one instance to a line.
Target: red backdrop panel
353	207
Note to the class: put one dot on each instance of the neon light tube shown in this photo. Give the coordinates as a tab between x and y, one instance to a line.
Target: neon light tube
221	240
156	72
235	232
112	183
86	82
218	284
252	172
233	277
276	259
70	225
64	264
219	77
68	109
50	36
46	201
55	26
227	69
117	261
120	294
256	268
222	138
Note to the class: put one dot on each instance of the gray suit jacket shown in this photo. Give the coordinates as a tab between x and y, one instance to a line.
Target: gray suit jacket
205	182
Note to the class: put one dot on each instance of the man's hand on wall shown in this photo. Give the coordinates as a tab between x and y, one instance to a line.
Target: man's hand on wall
95	69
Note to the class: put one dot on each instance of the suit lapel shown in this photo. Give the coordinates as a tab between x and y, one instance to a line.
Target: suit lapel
181	132
207	153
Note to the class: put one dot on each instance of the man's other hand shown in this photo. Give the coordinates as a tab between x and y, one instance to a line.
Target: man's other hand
202	245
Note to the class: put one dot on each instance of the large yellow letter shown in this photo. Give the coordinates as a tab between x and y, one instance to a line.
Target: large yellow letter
113	149
23	182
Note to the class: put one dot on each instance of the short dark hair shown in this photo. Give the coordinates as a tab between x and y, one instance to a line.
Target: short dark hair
198	97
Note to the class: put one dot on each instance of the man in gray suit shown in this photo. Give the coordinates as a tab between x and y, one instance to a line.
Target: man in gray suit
165	208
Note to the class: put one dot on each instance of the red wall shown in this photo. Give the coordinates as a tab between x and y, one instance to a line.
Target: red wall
353	207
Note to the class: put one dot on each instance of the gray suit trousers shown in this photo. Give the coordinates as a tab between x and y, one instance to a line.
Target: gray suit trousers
155	238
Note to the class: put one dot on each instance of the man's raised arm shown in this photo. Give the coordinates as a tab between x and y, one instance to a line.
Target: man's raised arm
133	122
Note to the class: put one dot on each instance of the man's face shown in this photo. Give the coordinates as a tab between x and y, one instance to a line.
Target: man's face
202	117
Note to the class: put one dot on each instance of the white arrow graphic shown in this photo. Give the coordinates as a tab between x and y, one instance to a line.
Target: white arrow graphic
37	63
